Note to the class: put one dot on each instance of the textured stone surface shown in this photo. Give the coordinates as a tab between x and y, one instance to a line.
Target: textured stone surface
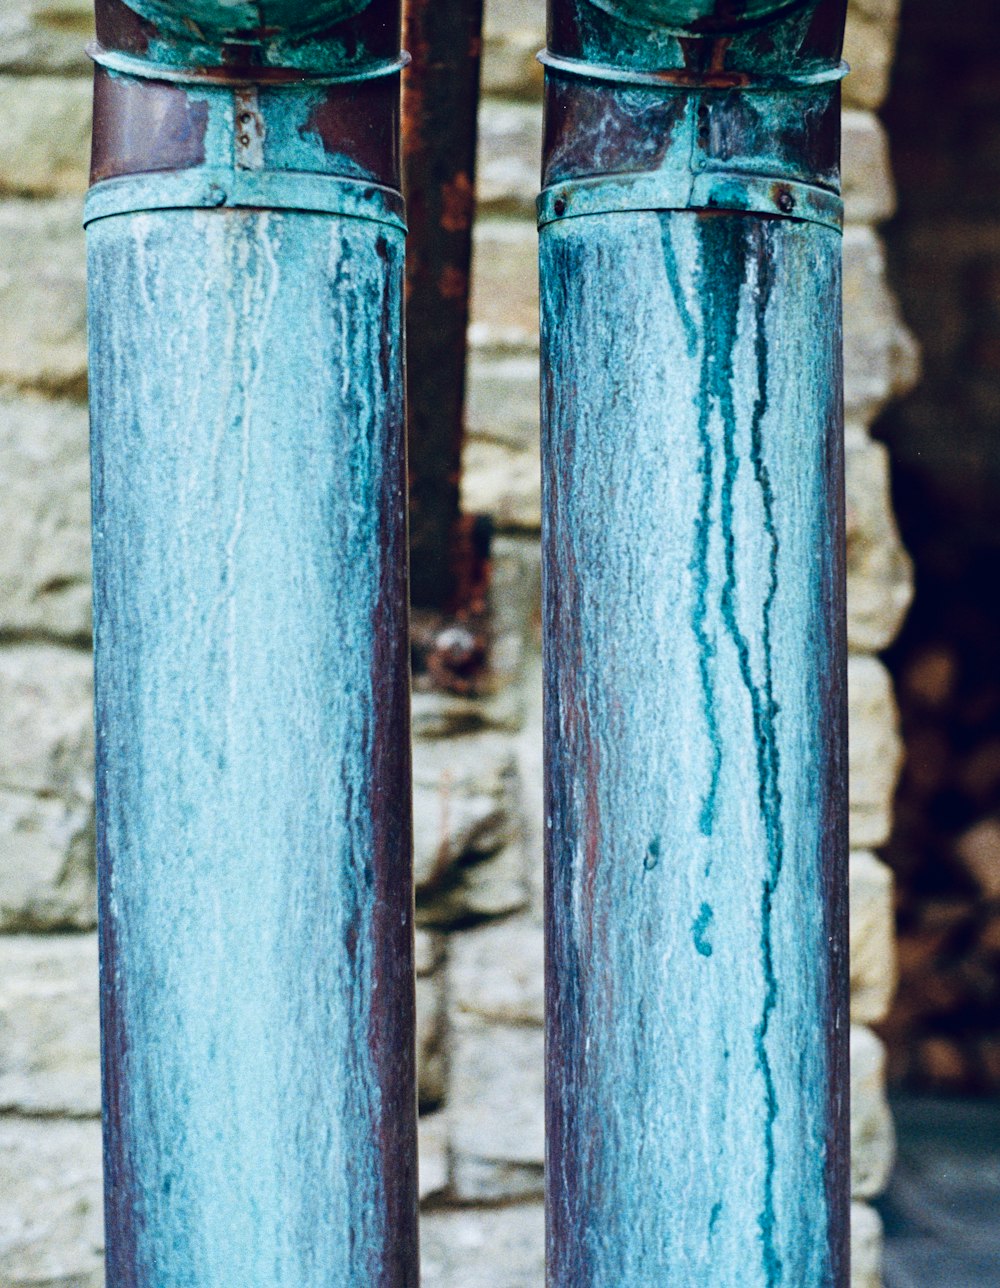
47	134
498	1248
43	330
879	576
869	45
49	1041
502	400
468	851
431	1066
513	33
45	35
880	357
869	194
496	972
428	952
465	802
496	1110
432	1146
50	1204
866	1247
504	302
875	751
45	552
872	1139
873	947
509	159
503	482
46	829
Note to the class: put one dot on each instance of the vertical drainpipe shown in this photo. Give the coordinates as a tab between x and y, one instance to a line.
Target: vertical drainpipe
697	1088
440	104
245	243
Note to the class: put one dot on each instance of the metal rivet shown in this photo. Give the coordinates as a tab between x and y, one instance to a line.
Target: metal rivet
786	202
559	206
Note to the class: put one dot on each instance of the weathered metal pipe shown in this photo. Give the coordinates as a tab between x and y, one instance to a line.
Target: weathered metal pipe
245	244
440	104
695	645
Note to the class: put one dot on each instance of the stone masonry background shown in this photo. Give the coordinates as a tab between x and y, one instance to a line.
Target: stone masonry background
477	761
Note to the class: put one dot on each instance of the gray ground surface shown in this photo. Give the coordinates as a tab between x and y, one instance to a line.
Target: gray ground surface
942	1209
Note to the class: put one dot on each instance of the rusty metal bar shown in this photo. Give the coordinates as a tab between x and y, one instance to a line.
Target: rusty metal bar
440	102
245	245
694	644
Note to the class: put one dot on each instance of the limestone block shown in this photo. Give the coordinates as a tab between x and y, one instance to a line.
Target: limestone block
513	33
465	802
46	792
496	1110
431	1067
869	47
49	1039
428	952
978	849
437	714
496	972
45	552
869	193
432	1151
504	297
880	355
866	1247
493	1248
47	127
509	160
879	575
51	1226
504	483
875	750
43	309
502	400
45	35
872	1138
468	847
873	943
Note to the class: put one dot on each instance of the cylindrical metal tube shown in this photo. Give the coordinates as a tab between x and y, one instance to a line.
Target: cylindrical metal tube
245	256
440	105
695	656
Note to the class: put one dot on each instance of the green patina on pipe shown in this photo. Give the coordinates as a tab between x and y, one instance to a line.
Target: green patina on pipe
696	992
245	248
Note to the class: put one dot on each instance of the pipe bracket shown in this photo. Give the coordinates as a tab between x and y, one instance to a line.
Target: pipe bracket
683	78
210	188
718	191
129	64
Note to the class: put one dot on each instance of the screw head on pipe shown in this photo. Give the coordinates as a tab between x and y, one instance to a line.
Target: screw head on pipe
695	17
240	20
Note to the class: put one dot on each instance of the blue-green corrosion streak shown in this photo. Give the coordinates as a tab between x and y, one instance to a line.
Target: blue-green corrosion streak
691	470
251	661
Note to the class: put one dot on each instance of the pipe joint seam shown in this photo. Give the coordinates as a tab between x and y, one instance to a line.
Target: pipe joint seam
210	188
706	192
129	64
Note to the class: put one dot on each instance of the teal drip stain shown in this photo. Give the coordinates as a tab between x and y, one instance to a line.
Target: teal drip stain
724	252
687	321
703	528
652	856
713	1219
700	929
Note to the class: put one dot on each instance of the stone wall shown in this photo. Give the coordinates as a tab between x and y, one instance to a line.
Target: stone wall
944	254
477	760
